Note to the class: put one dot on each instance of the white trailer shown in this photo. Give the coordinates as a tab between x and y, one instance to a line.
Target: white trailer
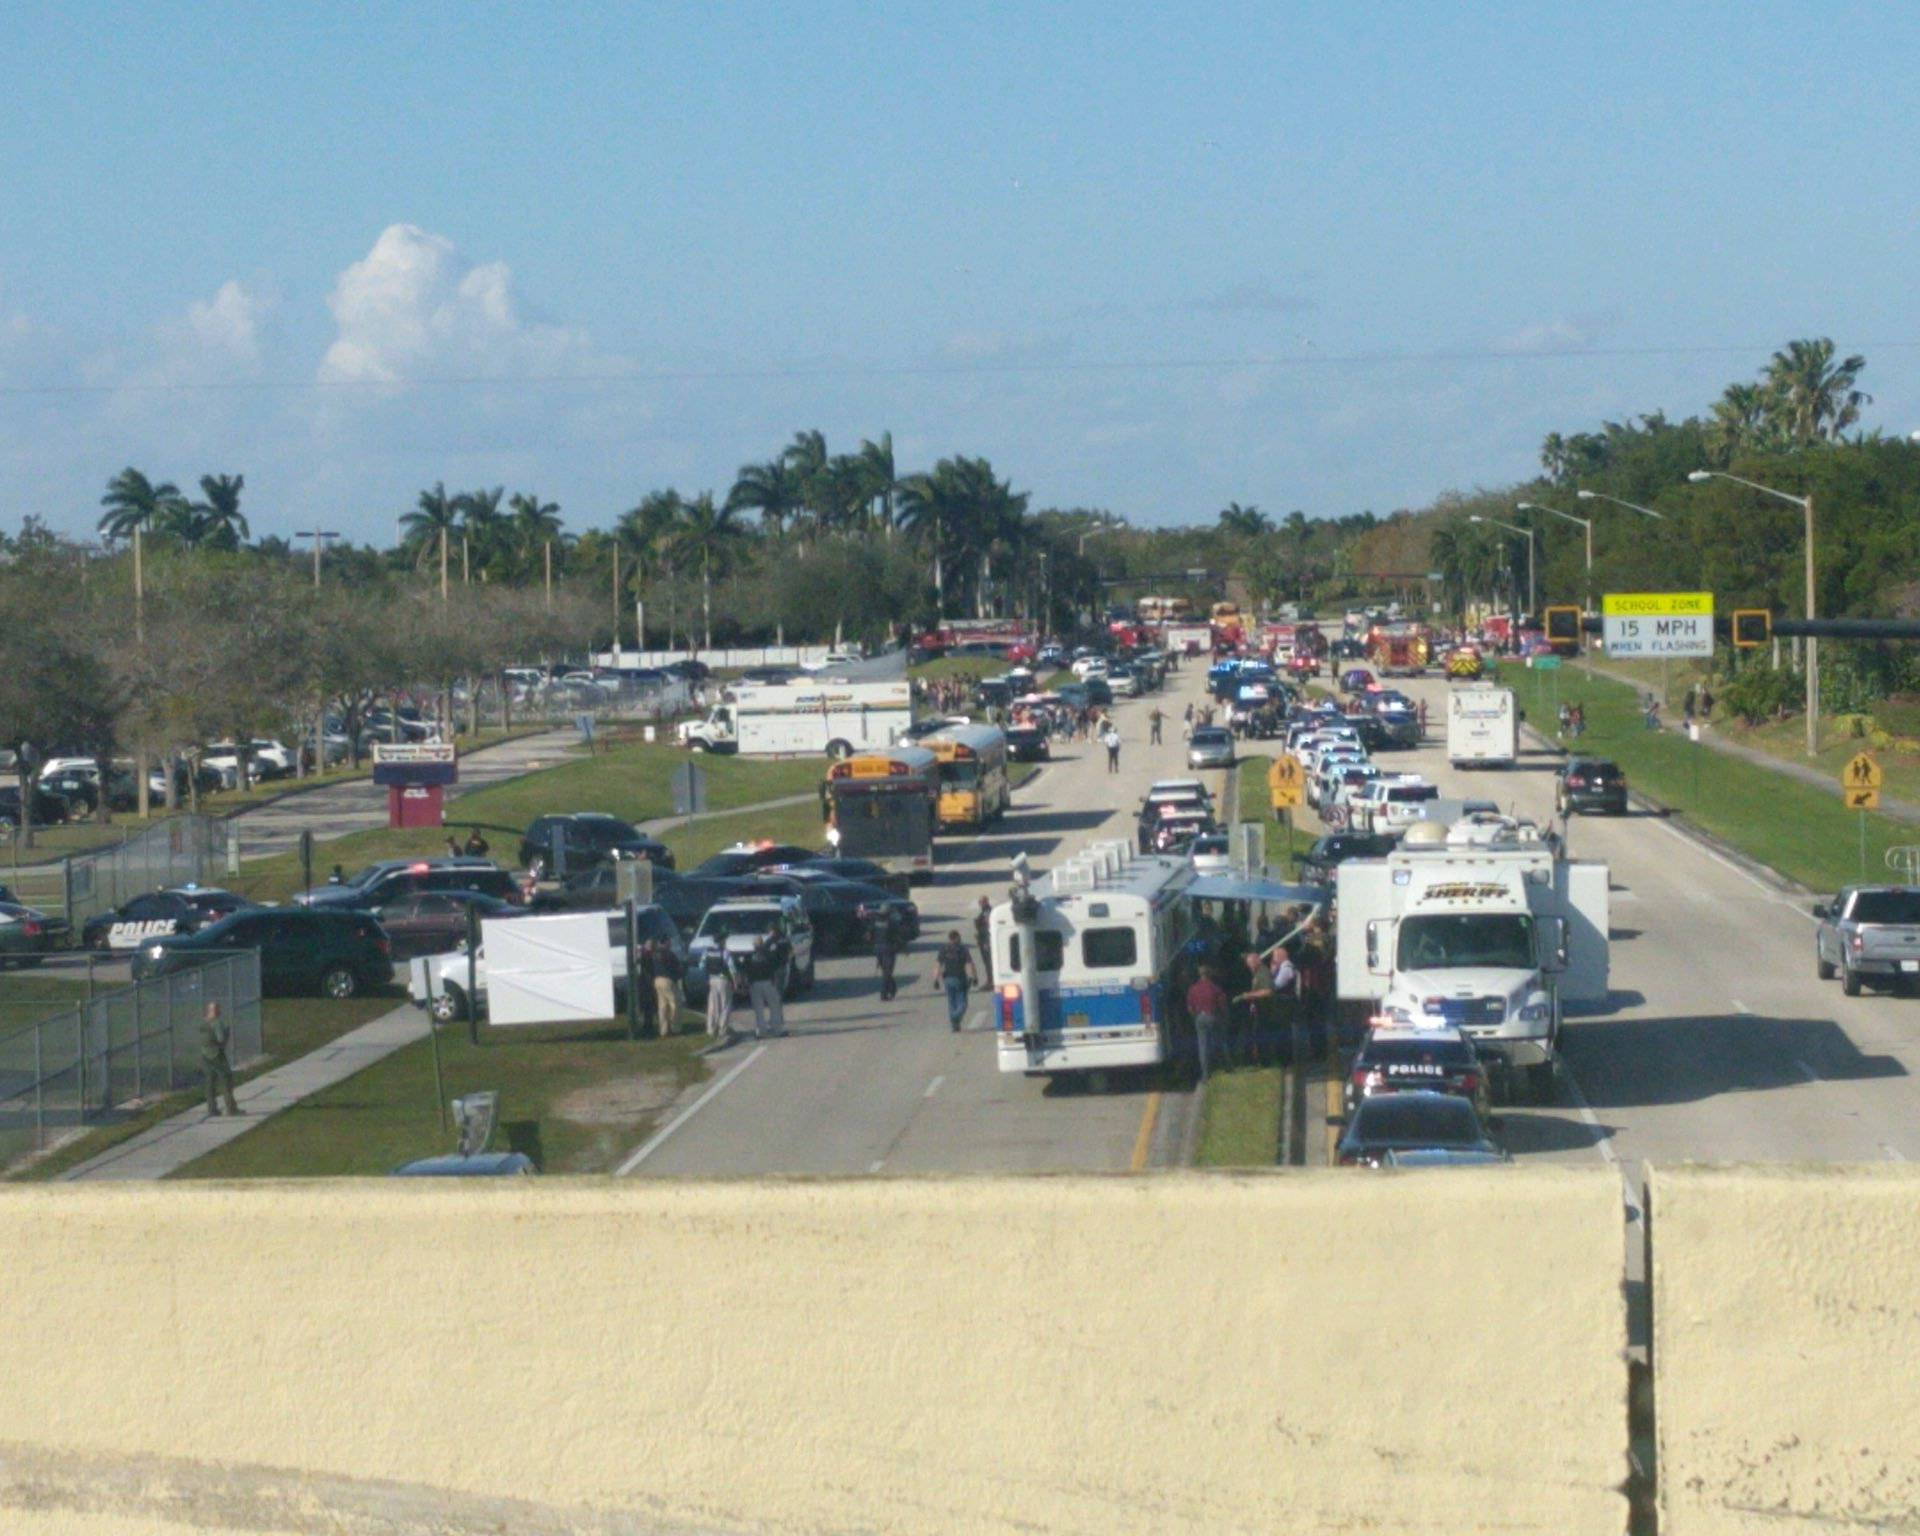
1187	637
1483	727
1493	938
838	719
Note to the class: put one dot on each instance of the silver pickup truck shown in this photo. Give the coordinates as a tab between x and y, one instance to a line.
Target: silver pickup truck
1869	934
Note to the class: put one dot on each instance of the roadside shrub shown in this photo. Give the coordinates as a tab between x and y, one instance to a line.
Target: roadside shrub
1762	693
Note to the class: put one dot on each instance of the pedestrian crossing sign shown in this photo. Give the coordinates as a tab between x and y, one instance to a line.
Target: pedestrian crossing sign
1861	772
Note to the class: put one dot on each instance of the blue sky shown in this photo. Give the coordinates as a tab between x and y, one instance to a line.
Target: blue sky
1146	258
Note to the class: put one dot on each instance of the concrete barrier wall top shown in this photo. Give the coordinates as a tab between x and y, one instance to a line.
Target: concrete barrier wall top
1416	1353
1786	1348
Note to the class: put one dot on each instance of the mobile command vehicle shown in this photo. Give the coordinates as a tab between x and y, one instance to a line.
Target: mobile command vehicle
838	719
884	805
974	788
1494	939
1483	727
1106	938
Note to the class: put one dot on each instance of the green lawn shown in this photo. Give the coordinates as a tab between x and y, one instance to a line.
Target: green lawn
1240	1119
290	1027
579	1097
1805	833
25	996
632	780
694	842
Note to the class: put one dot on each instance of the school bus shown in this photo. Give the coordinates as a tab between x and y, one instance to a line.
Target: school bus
883	804
973	775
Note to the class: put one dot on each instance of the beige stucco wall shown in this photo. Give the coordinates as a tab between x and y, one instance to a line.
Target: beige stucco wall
1786	1306
1182	1353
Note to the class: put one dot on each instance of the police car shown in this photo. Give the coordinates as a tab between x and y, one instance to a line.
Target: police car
158	915
1436	1060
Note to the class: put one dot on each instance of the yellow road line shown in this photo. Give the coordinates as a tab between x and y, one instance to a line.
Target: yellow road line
1143	1143
1335	1102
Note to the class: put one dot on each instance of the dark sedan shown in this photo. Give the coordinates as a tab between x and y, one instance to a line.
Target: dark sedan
864	871
1027	744
434	922
1416	1121
1590	784
581	839
1328	853
26	934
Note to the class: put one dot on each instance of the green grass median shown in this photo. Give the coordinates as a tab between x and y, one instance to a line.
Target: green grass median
1805	833
1240	1119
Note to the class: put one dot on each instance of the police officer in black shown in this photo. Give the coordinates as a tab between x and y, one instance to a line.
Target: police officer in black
886	950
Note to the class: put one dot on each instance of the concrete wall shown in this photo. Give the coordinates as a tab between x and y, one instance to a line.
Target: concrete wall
1786	1305
1188	1353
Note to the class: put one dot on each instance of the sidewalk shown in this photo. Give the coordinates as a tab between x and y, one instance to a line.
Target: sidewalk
1806	773
172	1144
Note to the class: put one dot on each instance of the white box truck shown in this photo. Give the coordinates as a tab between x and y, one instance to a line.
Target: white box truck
838	719
1493	938
1483	727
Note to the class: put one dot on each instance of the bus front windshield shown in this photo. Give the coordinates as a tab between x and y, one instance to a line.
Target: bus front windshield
1442	941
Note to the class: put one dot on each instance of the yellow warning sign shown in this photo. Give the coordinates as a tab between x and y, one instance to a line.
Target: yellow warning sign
1863	799
1286	784
1861	772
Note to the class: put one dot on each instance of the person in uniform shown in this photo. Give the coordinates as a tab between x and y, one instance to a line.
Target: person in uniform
214	1038
886	950
983	937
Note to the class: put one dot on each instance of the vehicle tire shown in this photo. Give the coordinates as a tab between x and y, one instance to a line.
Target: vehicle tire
1849	981
1822	968
839	751
339	982
449	1006
1540	1088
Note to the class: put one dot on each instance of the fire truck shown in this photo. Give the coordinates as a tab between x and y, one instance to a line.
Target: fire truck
1399	649
1005	637
1229	630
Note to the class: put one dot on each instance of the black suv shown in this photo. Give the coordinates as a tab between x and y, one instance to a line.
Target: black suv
589	838
1589	784
1327	854
334	954
391	879
1027	744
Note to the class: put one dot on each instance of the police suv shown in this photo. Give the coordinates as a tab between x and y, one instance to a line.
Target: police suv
158	915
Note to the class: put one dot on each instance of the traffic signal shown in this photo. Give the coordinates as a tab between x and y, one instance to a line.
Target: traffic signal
1563	625
1752	627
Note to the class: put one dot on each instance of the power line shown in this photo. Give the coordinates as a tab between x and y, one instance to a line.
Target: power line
858	370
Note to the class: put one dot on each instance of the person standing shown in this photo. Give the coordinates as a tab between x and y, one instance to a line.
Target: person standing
1257	1001
1153	726
215	1036
720	989
646	1003
764	966
476	846
667	971
983	937
953	973
1207	1006
886	950
1111	741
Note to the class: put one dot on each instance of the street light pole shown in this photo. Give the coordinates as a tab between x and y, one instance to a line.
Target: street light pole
1805	504
1533	595
1584	522
317	535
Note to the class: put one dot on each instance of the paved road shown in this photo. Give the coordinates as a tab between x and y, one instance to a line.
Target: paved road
1719	1043
861	1086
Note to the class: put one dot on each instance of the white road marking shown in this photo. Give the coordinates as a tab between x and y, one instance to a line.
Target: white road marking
934	1087
1805	1071
978	1021
1894	1154
1602	1141
1740	1007
659	1137
876	1165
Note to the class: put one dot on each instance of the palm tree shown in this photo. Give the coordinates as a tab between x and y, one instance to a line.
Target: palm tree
536	524
483	524
771	489
432	521
217	521
646	535
930	509
876	459
135	503
707	534
1817	400
806	456
1246	522
1743	418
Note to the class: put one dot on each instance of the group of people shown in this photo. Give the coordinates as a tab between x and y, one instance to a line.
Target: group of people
759	973
1573	720
1287	963
475	847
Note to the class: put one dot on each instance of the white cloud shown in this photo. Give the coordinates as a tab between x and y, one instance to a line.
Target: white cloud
1543	337
213	340
414	306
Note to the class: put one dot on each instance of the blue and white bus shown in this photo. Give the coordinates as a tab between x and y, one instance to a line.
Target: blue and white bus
1110	931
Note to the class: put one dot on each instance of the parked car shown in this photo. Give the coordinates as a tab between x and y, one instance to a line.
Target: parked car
1212	746
1589	784
451	972
433	922
27	933
863	871
1210	854
737	923
1418	1120
335	954
389	879
1869	934
158	915
1328	853
687	898
49	809
1437	1060
745	858
589	838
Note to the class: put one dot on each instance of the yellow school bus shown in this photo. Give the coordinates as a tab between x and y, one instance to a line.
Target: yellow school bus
973	775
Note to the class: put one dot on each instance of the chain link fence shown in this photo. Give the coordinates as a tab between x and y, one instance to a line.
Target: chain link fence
83	1065
176	851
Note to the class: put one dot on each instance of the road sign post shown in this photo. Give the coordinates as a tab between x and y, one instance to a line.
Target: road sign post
1860	783
1639	625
